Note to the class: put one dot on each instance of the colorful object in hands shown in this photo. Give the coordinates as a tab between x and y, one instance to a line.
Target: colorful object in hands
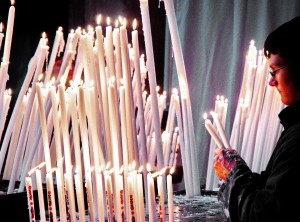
224	162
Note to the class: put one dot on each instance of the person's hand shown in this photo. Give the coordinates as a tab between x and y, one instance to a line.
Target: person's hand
224	162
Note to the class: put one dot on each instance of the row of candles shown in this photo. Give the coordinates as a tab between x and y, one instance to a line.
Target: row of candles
103	116
5	94
102	202
256	127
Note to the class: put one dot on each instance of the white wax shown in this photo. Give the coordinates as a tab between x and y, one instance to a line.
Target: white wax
170	198
9	33
39	184
30	198
213	133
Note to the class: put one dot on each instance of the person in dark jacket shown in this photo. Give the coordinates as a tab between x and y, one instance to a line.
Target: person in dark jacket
274	194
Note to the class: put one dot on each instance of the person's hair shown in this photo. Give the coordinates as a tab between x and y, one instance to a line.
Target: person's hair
285	41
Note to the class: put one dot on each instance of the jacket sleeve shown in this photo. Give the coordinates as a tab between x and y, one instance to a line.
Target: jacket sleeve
252	197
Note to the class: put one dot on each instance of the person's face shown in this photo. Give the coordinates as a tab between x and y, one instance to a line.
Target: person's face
284	82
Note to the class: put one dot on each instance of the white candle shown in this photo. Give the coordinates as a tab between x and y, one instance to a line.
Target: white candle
109	50
9	33
1	34
220	129
151	196
161	196
140	201
170	195
140	117
70	198
51	197
100	198
120	190
30	199
108	194
152	81
89	193
61	195
80	197
39	184
57	48
44	126
132	141
116	41
131	199
212	132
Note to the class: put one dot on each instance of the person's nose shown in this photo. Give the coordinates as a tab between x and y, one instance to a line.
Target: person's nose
272	82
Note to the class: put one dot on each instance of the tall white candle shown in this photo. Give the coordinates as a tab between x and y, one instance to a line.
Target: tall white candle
100	187
9	34
89	193
140	119
40	190
79	197
161	196
70	198
151	196
212	131
51	197
220	129
170	195
44	126
152	81
61	195
30	199
140	200
1	34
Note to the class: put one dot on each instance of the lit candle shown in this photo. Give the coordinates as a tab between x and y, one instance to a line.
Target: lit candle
80	197
40	190
61	194
131	199
108	194
44	126
70	198
109	49
161	195
9	33
100	198
51	197
120	202
89	193
116	41
1	34
140	117
170	195
152	81
131	135
57	48
140	201
30	199
151	196
220	129
212	131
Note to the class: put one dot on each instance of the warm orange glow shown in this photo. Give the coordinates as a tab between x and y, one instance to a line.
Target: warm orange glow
98	19
134	24
108	21
172	170
1	27
12	2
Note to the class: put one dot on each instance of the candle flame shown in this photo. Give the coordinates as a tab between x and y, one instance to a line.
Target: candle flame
110	171
98	19
12	2
108	21
121	170
41	76
124	22
141	169
31	171
217	97
8	92
172	170
133	165
44	35
41	165
134	24
117	23
148	167
60	29
1	27
121	20
176	129
252	42
108	165
162	171
205	116
155	174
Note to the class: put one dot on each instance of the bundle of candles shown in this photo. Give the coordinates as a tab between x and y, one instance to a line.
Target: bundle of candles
98	127
256	126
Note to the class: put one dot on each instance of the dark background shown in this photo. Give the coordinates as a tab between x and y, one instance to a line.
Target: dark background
34	17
